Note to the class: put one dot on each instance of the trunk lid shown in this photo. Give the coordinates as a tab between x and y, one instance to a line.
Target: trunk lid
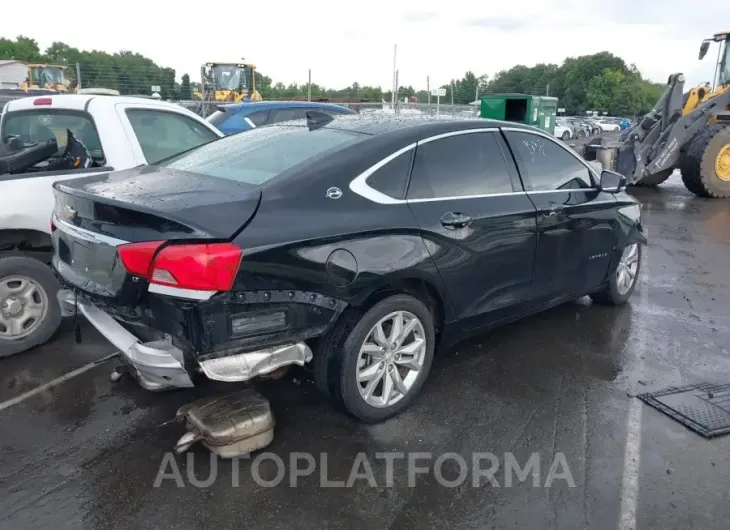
157	200
93	216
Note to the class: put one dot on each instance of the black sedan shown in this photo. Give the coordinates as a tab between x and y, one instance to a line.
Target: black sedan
355	244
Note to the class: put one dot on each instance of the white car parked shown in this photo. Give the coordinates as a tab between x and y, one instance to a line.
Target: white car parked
120	133
608	126
563	132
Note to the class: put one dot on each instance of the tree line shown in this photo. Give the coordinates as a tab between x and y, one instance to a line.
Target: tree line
601	82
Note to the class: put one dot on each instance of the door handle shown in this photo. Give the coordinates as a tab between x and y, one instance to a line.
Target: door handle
454	220
552	209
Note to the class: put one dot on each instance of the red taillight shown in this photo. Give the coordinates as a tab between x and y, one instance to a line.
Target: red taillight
203	267
137	257
53	225
42	101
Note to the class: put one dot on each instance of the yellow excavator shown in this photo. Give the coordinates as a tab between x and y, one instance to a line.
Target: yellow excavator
686	131
228	82
49	76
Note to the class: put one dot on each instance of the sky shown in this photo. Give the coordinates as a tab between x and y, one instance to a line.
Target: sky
342	44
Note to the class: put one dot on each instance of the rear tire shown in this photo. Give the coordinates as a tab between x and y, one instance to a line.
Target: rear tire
41	276
338	358
617	292
698	163
581	134
565	136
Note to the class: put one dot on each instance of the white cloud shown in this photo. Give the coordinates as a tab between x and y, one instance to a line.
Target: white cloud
355	43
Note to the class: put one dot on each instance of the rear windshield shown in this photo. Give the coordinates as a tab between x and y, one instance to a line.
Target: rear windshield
40	125
255	156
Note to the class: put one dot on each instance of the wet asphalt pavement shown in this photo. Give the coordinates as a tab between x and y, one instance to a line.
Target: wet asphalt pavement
86	453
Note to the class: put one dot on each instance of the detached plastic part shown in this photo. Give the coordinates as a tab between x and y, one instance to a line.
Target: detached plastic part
229	426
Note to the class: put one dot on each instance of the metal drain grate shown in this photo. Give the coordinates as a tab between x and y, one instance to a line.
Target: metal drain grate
703	408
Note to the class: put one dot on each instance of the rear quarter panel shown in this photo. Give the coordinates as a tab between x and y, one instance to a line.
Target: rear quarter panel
346	248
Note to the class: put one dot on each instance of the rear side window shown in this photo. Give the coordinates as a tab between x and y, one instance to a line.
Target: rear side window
261	154
391	179
280	115
40	125
258	118
459	166
164	134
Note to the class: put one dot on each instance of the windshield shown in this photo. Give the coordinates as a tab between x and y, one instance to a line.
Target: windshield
227	77
53	76
257	156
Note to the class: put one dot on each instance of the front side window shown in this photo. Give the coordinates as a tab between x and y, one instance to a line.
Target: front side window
545	165
459	166
261	154
164	134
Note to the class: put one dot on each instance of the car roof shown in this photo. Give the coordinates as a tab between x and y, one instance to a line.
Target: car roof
254	106
410	124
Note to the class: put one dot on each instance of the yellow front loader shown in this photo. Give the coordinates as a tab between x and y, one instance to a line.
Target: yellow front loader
228	82
686	131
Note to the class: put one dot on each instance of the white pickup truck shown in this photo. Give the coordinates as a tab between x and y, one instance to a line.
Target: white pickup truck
120	133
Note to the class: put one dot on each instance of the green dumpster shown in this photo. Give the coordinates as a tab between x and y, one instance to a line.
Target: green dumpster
538	111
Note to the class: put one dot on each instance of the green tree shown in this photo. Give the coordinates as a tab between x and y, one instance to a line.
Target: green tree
185	91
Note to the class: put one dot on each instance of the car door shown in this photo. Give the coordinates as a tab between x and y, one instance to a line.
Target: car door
575	221
477	223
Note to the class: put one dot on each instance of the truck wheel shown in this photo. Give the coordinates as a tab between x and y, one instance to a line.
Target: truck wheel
705	164
29	310
654	180
373	365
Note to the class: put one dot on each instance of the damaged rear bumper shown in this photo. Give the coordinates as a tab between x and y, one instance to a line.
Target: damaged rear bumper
159	364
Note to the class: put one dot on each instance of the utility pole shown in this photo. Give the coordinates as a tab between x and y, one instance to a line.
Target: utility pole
309	86
428	89
547	89
396	106
452	92
78	75
395	74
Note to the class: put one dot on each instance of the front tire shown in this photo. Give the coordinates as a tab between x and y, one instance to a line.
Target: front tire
29	310
622	282
705	164
373	365
565	136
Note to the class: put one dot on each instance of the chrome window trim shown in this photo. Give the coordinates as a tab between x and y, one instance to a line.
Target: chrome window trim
86	235
360	186
563	147
249	121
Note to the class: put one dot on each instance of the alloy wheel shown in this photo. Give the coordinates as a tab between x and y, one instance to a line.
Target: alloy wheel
391	359
627	268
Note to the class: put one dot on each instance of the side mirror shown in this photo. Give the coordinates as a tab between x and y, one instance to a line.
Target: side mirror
703	49
612	182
